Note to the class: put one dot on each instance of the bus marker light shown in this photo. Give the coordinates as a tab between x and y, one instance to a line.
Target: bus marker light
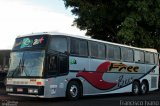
39	83
30	90
35	91
19	90
9	89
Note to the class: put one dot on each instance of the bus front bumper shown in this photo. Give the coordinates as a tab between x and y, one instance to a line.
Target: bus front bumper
26	95
25	90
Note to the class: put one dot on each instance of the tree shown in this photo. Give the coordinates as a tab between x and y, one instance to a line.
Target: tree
132	22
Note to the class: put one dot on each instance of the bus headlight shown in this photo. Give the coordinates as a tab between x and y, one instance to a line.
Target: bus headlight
35	90
31	90
8	89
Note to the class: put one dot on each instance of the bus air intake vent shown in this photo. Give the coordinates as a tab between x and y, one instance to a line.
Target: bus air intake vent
153	82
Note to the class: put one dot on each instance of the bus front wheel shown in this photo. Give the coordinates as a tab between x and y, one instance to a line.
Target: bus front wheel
73	90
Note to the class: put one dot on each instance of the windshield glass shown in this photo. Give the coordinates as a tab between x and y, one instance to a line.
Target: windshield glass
25	64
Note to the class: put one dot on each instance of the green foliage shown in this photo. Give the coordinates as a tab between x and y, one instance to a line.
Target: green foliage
132	22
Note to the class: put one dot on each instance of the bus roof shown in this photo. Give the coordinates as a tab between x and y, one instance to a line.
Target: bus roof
150	50
90	39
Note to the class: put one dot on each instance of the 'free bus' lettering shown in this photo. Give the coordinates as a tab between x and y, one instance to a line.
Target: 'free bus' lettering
120	67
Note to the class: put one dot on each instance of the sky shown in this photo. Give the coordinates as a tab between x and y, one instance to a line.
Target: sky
20	17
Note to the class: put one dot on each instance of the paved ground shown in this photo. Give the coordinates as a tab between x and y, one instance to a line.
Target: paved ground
150	99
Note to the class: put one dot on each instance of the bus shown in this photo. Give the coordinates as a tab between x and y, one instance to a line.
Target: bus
49	65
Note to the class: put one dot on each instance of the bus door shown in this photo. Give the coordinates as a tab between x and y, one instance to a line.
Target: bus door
57	68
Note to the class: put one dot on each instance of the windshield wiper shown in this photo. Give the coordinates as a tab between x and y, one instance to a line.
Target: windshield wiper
22	68
14	71
19	68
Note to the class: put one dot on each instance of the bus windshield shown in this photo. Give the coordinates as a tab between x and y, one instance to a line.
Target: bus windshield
26	64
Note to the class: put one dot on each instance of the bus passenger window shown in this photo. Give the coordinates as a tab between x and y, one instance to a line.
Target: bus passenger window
63	64
127	54
83	49
117	53
58	44
156	58
79	47
101	51
139	56
52	66
74	46
94	49
149	58
110	52
114	52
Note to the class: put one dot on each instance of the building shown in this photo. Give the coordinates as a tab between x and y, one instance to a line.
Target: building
4	64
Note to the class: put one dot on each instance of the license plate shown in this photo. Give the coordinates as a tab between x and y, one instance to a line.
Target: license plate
19	90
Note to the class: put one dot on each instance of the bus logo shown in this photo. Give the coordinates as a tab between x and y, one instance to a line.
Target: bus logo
95	78
123	67
26	43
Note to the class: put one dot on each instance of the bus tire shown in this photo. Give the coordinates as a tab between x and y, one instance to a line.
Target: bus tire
136	88
144	87
73	91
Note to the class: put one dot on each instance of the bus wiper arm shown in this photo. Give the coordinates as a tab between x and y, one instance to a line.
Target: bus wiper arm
17	69
22	67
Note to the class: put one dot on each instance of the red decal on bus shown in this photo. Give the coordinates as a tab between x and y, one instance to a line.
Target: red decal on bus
95	78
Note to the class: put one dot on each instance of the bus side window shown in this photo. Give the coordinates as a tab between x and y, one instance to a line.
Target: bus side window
149	58
152	60
101	51
127	54
114	52
139	56
52	66
58	44
74	46
63	64
156	58
83	48
94	49
78	47
110	52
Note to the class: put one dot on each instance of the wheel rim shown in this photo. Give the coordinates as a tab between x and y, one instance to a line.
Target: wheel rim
143	88
73	90
135	89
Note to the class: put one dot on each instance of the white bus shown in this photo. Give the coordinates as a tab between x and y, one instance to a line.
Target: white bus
49	65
